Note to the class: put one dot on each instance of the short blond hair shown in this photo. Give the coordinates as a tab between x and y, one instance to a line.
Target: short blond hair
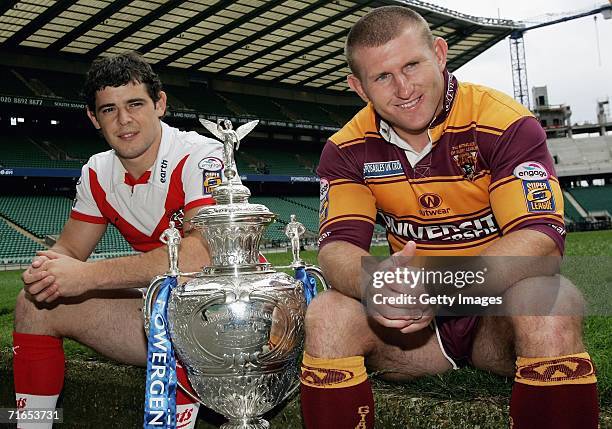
381	25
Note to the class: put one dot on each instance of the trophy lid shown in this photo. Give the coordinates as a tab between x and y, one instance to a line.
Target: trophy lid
233	227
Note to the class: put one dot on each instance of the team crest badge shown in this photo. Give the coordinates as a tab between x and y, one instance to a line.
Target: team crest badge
177	217
465	156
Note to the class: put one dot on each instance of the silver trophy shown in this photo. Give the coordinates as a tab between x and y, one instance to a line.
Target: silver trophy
237	326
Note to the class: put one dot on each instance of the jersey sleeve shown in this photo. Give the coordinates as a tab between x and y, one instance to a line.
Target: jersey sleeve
524	190
84	207
202	173
347	207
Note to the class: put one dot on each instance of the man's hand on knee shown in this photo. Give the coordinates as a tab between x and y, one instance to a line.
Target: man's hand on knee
393	302
57	275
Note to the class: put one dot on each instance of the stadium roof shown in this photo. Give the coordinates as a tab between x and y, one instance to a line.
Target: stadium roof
296	42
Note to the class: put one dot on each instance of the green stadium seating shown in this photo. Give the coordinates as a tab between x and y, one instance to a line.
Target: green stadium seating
21	151
341	113
257	106
79	148
46	215
197	98
302	110
284	209
16	248
594	198
570	211
277	162
39	215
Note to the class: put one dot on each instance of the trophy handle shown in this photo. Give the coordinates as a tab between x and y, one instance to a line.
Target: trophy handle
316	271
149	298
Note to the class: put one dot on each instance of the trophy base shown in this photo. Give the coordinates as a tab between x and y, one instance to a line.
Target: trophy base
253	423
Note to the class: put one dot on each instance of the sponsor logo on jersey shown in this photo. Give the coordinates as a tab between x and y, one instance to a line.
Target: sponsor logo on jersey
430	201
431	205
324	199
210	163
558	228
211	169
465	156
212	179
530	170
184	418
163	171
453	231
538	196
382	169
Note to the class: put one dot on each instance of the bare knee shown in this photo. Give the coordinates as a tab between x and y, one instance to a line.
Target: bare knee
336	326
31	318
543	336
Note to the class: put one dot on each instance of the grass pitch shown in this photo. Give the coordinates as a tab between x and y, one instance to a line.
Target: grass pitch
462	398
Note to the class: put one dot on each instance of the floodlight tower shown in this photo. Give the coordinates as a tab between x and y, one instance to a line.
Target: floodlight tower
517	50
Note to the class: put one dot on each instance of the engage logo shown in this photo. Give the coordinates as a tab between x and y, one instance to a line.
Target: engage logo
530	170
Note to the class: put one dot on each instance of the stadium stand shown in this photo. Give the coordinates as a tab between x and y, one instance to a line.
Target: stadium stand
23	151
284	208
39	215
594	199
11	84
16	248
570	210
274	160
196	97
256	106
45	216
51	83
77	148
581	156
300	110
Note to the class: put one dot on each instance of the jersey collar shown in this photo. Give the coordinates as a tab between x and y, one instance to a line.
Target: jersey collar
120	174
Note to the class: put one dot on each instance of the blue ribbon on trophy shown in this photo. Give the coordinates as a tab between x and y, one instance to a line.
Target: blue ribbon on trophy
160	394
294	230
310	284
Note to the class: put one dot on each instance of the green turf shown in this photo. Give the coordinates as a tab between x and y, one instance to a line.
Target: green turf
453	394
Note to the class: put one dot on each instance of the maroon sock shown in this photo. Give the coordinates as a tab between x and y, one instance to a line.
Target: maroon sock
336	394
555	393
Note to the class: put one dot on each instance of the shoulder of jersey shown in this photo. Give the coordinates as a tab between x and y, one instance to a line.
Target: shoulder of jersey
191	138
362	123
495	109
101	159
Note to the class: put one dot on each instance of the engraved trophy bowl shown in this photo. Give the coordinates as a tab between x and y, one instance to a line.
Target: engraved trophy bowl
237	326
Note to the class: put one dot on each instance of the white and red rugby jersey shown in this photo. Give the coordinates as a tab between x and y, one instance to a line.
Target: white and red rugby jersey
187	168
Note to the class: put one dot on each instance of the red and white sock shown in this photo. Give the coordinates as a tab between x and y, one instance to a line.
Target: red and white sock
186	407
38	370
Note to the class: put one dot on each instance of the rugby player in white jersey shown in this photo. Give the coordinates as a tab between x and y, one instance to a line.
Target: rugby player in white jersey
153	173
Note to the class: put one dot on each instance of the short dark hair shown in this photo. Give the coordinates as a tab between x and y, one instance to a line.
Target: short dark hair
117	71
381	25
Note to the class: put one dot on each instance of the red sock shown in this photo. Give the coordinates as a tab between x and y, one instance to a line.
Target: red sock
186	407
558	392
38	370
336	394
